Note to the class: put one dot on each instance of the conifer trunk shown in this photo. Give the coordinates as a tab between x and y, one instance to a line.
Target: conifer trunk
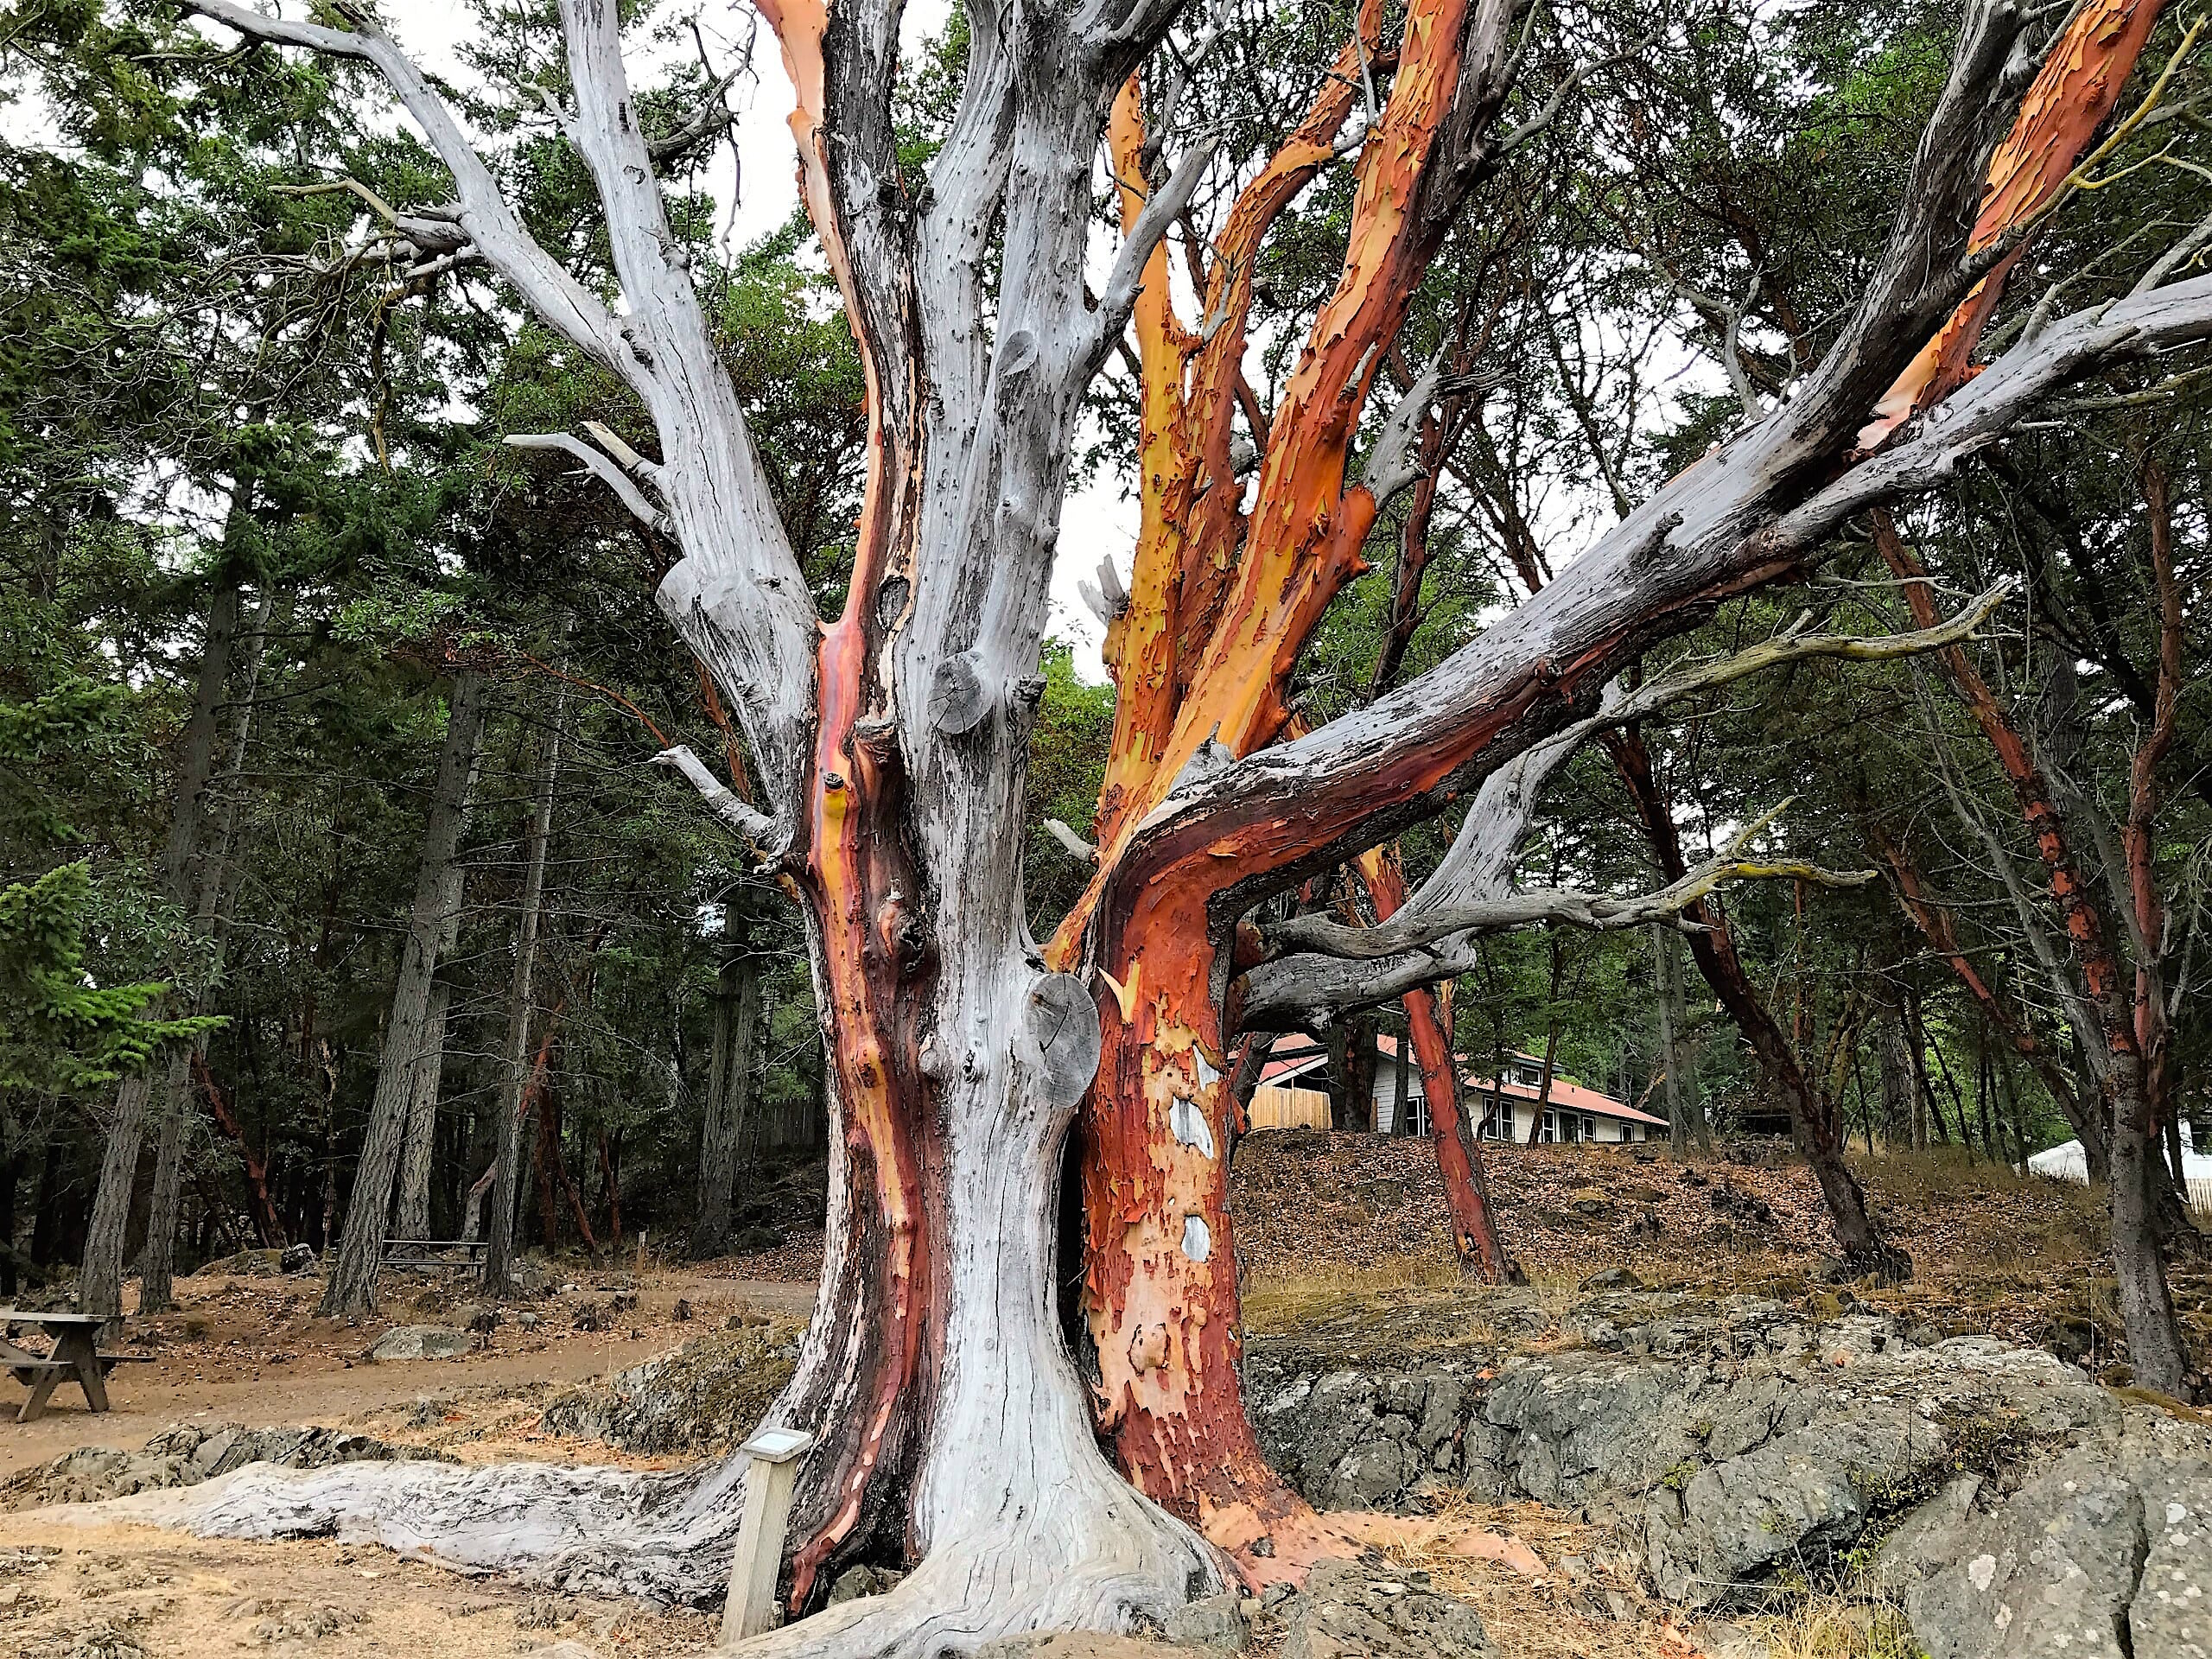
352	1287
729	1083
100	1285
507	1157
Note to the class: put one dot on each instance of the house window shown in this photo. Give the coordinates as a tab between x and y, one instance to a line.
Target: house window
1495	1123
1589	1127
1549	1132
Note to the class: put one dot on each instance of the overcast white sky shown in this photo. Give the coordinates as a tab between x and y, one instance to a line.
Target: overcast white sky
1096	523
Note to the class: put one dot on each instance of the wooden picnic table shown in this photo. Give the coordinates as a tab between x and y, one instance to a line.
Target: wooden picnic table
75	1355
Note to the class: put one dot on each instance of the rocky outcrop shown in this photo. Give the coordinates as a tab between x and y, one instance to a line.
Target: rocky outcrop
187	1454
2106	1554
1735	1439
706	1397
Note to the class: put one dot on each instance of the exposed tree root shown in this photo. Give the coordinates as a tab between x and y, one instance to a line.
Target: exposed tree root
1091	1575
661	1538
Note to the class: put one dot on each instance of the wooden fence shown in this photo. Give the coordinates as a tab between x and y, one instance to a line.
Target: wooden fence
1274	1108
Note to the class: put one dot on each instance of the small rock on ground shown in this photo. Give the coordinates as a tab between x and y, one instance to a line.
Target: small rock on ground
1215	1622
421	1342
1349	1611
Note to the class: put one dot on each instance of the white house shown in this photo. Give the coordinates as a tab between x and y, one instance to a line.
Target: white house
1294	1093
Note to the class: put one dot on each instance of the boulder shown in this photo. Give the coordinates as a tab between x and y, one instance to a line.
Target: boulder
299	1258
1743	1443
1351	1612
1613	1279
1214	1623
420	1342
2107	1552
707	1396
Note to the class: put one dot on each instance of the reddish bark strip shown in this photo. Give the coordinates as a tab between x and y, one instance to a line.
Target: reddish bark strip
2085	921
1466	1188
858	882
1209	639
270	1223
2077	88
1936	923
2131	1082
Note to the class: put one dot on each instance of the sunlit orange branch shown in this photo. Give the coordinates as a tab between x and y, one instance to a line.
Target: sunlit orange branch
1191	521
2077	89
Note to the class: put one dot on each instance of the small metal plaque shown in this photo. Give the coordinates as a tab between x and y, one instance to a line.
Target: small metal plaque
778	1445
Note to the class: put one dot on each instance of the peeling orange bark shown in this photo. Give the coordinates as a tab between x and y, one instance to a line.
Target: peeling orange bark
2076	90
1219	610
1191	523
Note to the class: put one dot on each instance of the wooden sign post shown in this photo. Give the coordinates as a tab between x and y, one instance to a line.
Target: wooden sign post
751	1607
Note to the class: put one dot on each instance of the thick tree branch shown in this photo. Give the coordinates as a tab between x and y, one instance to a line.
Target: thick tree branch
755	827
1336	968
600	467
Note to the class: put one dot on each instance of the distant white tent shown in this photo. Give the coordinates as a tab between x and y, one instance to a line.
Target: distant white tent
2065	1162
2068	1162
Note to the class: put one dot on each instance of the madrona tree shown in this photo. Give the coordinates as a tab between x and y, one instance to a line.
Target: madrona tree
952	1427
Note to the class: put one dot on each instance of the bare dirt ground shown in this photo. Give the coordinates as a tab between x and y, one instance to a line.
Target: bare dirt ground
1321	1219
118	1592
250	1350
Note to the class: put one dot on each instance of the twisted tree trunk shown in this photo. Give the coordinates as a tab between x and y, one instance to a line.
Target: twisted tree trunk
950	1425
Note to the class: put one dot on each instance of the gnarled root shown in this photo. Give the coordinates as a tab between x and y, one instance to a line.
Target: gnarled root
1087	1553
661	1538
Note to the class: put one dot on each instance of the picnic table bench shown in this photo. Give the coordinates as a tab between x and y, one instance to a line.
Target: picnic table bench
430	1254
76	1354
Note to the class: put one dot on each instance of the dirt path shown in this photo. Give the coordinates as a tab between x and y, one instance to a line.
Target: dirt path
250	1351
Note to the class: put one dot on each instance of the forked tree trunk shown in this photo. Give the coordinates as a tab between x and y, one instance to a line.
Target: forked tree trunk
890	744
507	1157
351	1289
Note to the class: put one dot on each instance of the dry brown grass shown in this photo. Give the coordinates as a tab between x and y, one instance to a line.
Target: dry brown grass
1835	1627
1994	1253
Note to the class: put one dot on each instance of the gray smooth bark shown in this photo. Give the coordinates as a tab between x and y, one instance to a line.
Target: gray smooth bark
412	1218
353	1286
